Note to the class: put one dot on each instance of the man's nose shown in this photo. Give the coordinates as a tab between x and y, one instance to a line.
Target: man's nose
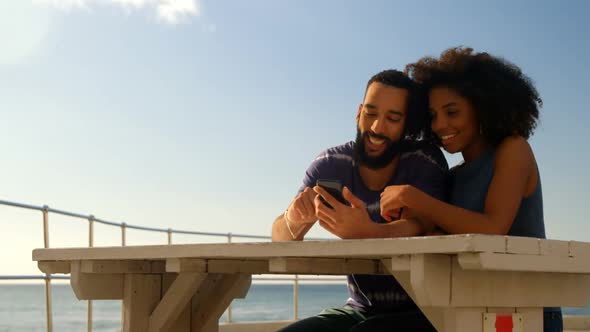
378	126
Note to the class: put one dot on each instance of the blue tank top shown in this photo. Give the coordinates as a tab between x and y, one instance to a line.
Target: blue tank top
469	188
469	185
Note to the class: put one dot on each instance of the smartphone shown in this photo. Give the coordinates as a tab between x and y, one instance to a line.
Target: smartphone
334	188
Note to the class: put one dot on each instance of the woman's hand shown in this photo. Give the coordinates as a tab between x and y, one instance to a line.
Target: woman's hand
397	200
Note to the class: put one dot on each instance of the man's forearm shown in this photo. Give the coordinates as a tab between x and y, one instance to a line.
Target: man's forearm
280	231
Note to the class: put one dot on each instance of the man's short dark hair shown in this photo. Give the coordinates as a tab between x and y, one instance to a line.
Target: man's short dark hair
416	111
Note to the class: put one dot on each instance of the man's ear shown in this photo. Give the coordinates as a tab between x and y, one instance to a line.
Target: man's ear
358	113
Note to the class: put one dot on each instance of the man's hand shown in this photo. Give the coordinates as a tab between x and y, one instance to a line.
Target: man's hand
346	222
302	210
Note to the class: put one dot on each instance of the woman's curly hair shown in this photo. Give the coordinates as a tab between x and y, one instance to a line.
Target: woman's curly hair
505	100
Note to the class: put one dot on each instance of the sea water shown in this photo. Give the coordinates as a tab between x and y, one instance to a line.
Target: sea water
22	306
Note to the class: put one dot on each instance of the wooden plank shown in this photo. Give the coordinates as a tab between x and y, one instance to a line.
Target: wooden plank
88	286
142	294
366	248
510	262
54	267
183	322
397	263
430	276
186	265
532	319
237	266
580	249
463	319
522	245
174	301
577	323
158	266
324	266
261	326
517	289
554	248
446	319
209	305
116	266
204	292
402	276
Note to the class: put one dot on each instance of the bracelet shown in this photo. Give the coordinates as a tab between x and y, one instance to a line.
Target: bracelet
287	223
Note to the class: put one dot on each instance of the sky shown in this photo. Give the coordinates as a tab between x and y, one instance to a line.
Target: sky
203	115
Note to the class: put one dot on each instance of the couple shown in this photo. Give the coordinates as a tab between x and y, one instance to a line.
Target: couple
397	181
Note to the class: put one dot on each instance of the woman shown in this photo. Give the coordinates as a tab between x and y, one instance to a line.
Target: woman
485	108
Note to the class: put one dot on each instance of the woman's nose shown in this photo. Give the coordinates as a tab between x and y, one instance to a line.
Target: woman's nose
438	124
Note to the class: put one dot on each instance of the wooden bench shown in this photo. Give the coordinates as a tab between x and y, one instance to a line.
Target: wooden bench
461	282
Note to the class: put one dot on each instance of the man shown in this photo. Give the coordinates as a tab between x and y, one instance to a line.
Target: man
384	153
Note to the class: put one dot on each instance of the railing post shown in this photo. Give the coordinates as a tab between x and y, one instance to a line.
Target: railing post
296	298
48	310
169	235
229	313
90	245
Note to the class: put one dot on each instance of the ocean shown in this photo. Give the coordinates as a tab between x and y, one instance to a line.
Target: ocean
22	306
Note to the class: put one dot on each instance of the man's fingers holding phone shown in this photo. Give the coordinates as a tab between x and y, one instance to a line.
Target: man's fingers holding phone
330	189
325	198
302	209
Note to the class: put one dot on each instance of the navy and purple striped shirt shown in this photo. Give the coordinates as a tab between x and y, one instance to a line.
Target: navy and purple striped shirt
422	166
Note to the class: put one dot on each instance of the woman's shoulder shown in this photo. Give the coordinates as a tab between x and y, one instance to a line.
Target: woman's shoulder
514	144
514	150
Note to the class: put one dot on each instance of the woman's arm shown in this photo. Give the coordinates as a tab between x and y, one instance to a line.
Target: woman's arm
513	168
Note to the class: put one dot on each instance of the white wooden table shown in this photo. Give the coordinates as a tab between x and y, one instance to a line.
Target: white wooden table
461	282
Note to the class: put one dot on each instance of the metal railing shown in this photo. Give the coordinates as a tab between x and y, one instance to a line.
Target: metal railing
45	210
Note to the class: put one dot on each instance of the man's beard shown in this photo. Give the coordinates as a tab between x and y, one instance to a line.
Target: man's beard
361	156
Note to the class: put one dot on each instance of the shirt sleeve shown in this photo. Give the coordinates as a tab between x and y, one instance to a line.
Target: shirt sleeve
313	172
431	174
324	167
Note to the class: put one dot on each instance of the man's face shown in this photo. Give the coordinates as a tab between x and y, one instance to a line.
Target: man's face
380	124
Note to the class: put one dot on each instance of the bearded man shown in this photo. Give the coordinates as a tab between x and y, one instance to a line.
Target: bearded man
389	149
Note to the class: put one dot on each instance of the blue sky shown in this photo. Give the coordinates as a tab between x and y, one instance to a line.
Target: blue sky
204	115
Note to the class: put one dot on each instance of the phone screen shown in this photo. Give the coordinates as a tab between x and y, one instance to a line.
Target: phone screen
334	188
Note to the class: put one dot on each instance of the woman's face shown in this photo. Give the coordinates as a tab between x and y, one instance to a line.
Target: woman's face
455	123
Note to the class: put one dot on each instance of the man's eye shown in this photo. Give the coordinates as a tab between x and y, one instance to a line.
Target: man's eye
370	115
452	112
394	119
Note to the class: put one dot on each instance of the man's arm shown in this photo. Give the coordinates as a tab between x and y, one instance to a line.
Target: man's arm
297	219
354	222
280	232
